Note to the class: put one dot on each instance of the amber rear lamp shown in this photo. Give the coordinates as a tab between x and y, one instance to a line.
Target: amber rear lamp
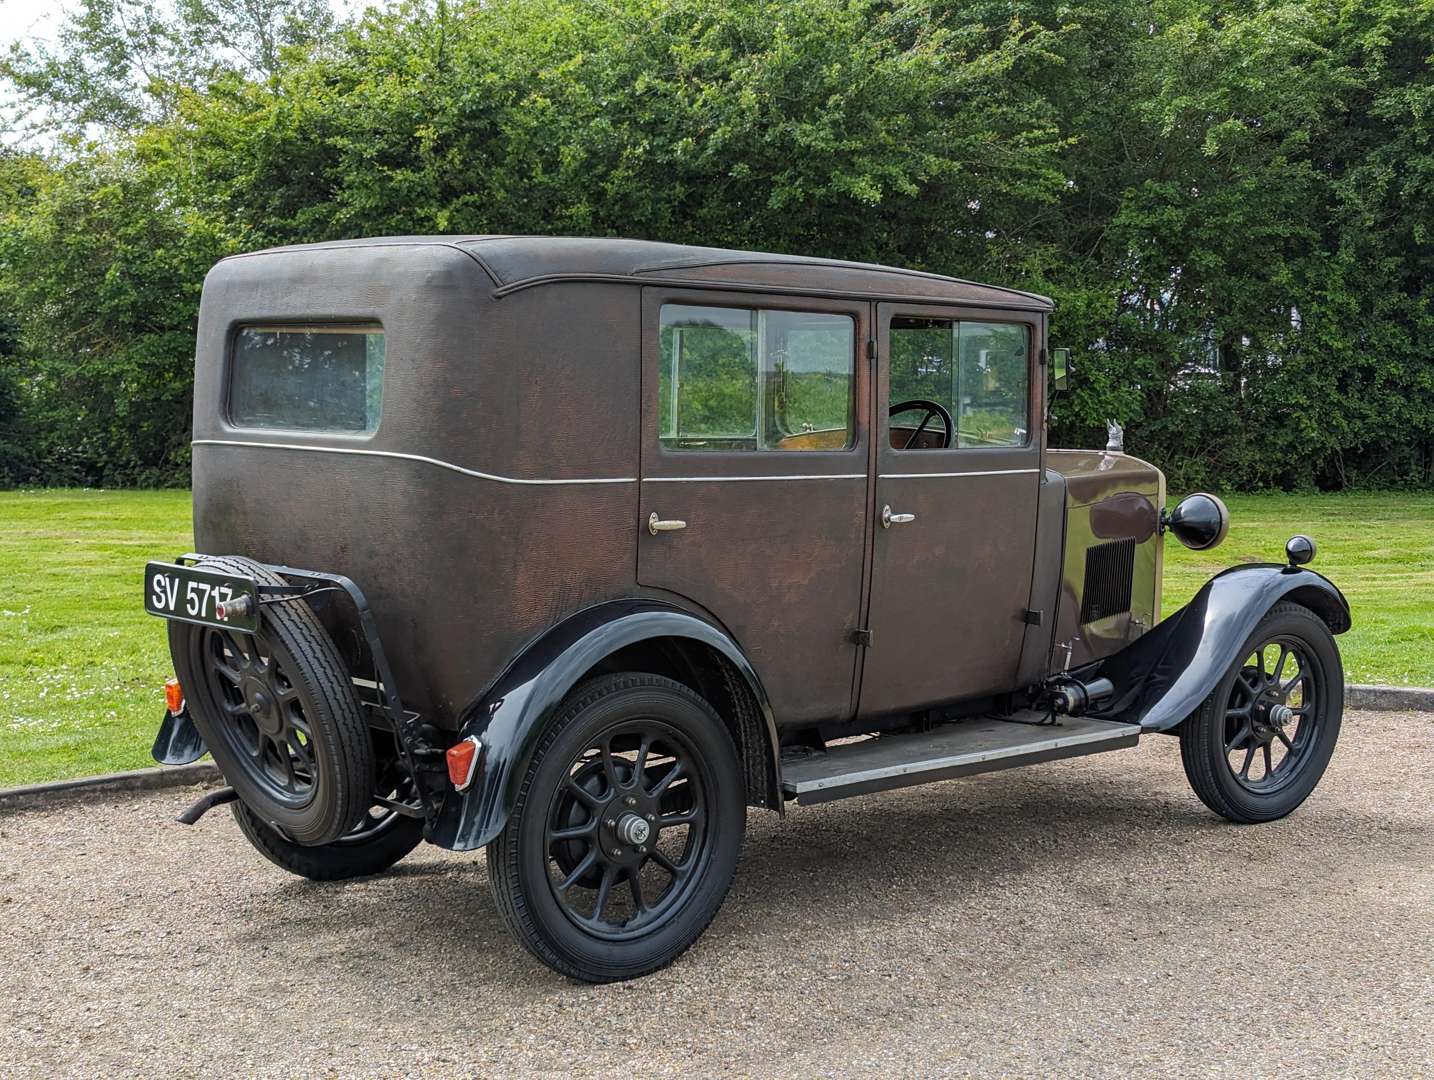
463	762
173	697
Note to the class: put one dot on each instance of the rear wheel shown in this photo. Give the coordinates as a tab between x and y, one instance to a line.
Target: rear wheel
1258	745
377	842
625	836
278	713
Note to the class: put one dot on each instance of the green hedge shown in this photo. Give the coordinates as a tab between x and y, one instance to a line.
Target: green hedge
1231	203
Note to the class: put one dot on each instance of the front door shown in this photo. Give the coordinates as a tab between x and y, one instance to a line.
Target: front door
958	470
755	463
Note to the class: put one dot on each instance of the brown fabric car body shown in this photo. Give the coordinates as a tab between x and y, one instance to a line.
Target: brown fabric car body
517	461
581	457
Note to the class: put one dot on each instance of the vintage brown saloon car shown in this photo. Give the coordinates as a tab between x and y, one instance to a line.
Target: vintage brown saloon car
577	548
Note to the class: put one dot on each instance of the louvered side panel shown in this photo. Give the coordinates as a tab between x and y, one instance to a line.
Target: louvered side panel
1109	573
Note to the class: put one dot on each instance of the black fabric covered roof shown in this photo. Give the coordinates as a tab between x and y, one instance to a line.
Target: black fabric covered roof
514	262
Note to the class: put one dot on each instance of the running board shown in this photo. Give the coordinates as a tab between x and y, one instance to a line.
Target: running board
963	748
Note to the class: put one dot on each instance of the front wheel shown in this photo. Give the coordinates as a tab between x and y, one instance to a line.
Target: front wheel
1258	745
625	836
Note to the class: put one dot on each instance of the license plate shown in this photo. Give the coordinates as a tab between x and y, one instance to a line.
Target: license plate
201	596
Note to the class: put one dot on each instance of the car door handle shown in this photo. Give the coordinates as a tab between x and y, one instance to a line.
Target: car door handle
656	525
888	519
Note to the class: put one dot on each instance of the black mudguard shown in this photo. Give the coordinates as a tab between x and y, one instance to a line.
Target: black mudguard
510	716
178	741
1164	676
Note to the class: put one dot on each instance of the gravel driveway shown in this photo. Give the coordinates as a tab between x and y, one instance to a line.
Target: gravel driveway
1085	918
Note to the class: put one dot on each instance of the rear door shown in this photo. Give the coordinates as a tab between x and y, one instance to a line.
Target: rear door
951	570
756	439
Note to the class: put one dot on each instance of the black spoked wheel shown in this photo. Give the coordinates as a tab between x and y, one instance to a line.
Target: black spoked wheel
1259	744
278	713
626	834
265	718
1273	714
380	839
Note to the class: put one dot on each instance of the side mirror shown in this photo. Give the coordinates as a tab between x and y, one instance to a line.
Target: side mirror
1060	369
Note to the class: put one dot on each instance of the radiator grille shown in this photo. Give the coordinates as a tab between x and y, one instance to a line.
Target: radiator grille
1109	572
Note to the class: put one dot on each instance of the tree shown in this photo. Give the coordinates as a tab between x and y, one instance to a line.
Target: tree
854	128
1229	202
120	65
103	274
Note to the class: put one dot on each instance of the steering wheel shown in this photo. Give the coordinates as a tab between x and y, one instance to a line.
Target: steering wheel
933	408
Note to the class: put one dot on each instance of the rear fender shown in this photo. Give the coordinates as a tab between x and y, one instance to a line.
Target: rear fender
1164	676
510	717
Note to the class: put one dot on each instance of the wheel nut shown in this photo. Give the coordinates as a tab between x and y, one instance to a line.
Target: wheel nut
611	823
650	818
630	801
617	851
642	851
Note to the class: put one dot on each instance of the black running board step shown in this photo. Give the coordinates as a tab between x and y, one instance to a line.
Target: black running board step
959	749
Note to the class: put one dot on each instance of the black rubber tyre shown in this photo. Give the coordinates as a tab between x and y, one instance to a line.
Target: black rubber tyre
313	780
662	755
1246	761
371	848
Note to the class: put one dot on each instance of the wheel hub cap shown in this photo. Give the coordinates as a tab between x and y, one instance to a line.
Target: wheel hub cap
632	829
628	827
259	702
1268	719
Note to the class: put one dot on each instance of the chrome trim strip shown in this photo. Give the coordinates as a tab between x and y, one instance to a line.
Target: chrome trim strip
587	480
411	457
729	479
984	472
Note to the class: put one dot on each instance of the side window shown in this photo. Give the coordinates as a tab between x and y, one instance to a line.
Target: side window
756	379
992	376
978	373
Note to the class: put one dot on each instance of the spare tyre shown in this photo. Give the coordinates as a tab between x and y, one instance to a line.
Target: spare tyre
278	714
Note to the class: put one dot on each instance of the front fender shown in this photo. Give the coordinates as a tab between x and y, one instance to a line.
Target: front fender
510	716
1164	676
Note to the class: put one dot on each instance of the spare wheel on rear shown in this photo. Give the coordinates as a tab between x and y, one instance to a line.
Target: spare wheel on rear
279	714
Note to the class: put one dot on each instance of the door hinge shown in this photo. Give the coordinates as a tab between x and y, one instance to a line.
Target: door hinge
862	638
1031	618
871	348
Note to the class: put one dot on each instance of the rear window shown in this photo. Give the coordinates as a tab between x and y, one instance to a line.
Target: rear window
311	378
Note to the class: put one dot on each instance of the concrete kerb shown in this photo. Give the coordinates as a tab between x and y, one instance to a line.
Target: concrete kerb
1357	696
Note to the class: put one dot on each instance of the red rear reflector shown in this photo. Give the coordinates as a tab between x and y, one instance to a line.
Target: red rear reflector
463	761
173	696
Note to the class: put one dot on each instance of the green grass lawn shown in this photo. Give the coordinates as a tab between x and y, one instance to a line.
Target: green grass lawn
1379	549
81	664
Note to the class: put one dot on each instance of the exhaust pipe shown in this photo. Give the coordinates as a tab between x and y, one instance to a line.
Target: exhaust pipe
207	803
